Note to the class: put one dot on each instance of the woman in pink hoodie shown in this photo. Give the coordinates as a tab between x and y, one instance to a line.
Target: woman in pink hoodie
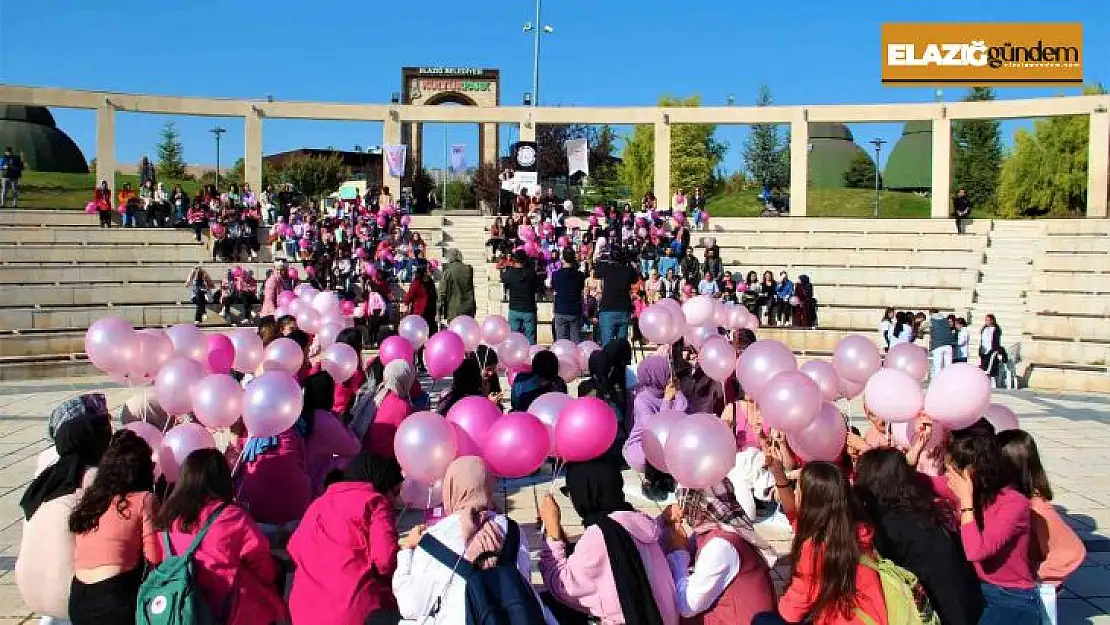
273	484
345	549
233	565
618	571
329	445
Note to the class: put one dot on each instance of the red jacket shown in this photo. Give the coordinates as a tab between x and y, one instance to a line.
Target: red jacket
418	298
795	602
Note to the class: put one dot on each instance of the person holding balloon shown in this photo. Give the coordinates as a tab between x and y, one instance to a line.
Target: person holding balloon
421	301
271	460
656	392
329	445
346	391
234	570
543	378
617	571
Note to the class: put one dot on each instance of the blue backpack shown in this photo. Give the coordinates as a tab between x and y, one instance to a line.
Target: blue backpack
497	595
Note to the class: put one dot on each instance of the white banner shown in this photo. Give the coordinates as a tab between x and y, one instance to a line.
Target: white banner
578	157
529	180
395	159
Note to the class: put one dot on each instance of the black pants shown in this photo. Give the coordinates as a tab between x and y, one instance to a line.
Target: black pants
202	307
198	227
374	325
246	298
961	224
106	219
109	602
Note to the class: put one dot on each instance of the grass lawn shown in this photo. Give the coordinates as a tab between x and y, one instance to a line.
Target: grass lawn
829	203
40	189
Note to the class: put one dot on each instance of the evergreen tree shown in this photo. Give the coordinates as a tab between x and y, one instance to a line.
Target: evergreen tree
171	154
978	158
861	173
766	152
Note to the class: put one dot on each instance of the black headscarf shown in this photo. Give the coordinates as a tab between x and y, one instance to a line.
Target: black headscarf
80	442
545	365
607	366
596	489
384	474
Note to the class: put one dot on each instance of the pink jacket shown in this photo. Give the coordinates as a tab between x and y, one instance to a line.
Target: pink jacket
234	568
330	446
1057	551
584	580
379	436
275	488
270	293
345	551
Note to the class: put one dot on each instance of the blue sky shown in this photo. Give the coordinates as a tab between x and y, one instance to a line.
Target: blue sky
603	52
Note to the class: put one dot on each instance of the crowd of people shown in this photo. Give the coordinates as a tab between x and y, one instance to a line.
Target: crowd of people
949	338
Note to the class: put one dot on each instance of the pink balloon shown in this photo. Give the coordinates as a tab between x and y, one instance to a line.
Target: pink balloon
736	318
585	429
913	359
514	350
154	349
474	416
217	400
296	306
565	349
425	445
414	329
443	353
516	445
396	348
823	439
285	298
1001	417
824	376
849	389
585	350
902	435
328	331
698	310
958	395
221	354
308	294
326	302
465	445
717	358
700	451
893	395
308	320
149	433
533	350
272	403
658	325
697	335
789	402
248	349
111	344
656	432
467	329
546	407
421	496
174	385
568	369
178	443
341	361
494	329
760	362
856	358
188	341
283	354
720	314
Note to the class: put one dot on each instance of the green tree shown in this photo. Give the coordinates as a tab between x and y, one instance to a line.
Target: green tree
460	194
861	173
978	159
766	151
487	184
171	154
637	168
237	174
314	175
1046	173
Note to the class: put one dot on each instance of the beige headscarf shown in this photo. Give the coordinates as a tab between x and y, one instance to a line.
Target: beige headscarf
397	378
468	490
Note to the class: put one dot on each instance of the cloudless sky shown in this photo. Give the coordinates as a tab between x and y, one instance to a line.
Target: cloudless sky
603	52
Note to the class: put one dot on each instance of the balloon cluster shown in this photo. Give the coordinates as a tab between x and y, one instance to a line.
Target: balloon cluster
323	314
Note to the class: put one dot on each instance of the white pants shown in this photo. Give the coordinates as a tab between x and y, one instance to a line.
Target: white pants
1048	598
941	357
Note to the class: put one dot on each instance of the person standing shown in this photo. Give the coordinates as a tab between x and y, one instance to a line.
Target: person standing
615	304
102	197
522	285
271	288
962	204
146	172
568	284
456	287
990	343
942	341
11	170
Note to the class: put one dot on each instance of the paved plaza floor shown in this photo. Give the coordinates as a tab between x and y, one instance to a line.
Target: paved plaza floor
1073	432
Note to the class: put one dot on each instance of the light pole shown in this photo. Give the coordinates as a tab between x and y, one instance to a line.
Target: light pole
536	29
218	132
878	143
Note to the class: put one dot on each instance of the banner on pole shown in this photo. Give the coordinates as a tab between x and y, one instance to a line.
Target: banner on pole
395	160
578	156
458	158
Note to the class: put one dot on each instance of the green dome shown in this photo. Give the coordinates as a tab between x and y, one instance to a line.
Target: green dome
831	155
910	165
31	132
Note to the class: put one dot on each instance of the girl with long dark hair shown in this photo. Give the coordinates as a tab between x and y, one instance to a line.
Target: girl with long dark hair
995	528
911	531
329	445
234	569
829	583
114	527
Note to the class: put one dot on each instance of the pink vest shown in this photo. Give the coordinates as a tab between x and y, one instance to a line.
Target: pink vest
751	591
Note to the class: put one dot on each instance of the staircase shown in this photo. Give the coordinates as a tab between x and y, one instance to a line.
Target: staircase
1004	277
468	235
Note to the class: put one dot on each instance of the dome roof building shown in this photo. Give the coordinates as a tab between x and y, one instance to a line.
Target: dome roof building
31	132
910	164
831	153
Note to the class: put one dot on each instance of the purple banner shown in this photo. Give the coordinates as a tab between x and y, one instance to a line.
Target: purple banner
458	158
395	160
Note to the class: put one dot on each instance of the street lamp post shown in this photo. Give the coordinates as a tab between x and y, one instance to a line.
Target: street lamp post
536	29
878	143
218	132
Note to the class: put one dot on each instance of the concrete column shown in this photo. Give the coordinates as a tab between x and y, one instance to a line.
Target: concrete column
488	138
252	149
662	165
1098	164
391	135
526	132
942	169
799	166
106	146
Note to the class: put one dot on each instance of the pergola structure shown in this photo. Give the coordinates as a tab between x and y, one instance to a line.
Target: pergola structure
392	116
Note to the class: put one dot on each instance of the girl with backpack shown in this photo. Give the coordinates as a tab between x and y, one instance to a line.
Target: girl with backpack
234	570
428	582
345	549
114	524
1057	551
829	584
